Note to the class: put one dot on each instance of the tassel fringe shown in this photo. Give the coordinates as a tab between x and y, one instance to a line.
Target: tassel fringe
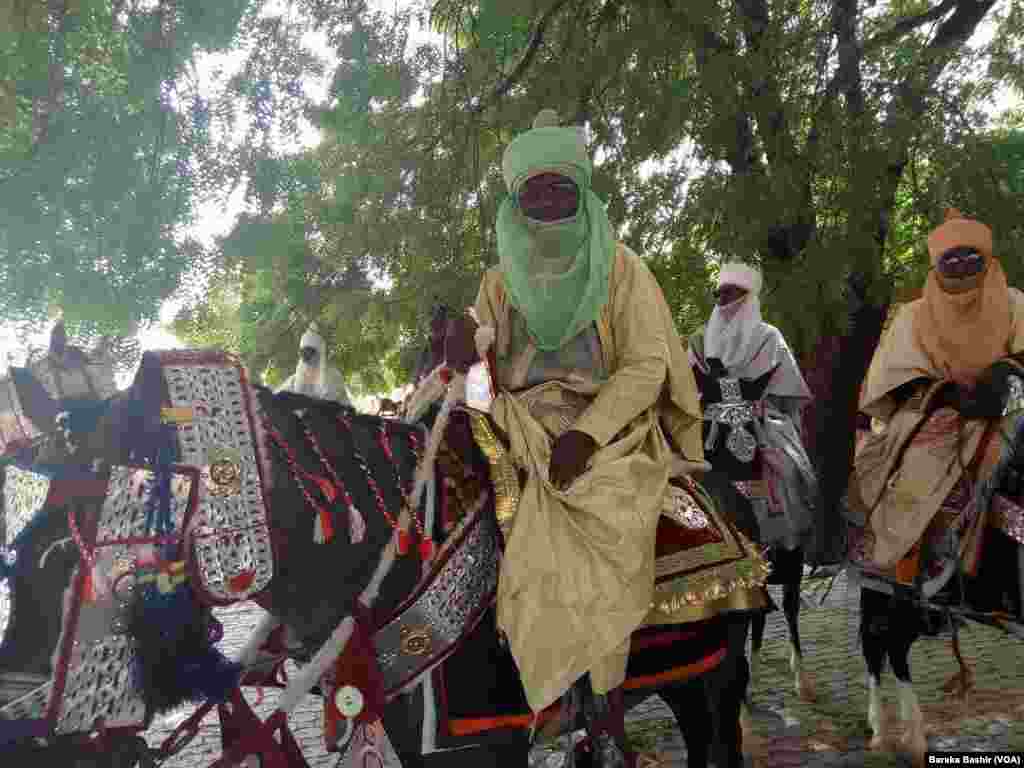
356	525
323	529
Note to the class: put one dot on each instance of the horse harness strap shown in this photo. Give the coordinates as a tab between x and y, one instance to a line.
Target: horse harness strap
446	606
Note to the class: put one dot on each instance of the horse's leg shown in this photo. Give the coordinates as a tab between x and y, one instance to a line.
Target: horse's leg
725	687
690	705
874	626
758	620
791	608
903	631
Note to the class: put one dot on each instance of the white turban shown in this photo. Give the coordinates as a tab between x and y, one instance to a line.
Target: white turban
743	275
747	346
735	329
320	379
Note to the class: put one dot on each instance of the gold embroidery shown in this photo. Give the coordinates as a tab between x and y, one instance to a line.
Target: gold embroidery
503	471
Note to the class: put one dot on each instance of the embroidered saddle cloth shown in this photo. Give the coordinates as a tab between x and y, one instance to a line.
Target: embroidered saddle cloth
120	519
218	432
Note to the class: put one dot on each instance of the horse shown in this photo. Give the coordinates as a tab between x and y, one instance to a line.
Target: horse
897	608
730	418
321	460
424	406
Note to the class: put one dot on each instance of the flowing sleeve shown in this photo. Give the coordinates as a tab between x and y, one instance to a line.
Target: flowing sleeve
641	341
898	359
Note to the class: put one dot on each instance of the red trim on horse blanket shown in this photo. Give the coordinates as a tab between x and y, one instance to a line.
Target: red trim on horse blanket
480	698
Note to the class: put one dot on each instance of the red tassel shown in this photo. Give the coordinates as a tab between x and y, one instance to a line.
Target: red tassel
402	543
88	591
446	375
426	550
326	487
323	530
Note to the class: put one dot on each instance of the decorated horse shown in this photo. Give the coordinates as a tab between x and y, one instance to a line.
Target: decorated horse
935	503
757	446
197	488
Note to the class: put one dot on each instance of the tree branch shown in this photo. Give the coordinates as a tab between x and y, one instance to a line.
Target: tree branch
909	24
536	38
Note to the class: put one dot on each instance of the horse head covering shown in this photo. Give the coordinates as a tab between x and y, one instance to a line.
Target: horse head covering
734	330
966	331
556	273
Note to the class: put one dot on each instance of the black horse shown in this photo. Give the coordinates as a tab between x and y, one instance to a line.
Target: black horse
698	668
730	425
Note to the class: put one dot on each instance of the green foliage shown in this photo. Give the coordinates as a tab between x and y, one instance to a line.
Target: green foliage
96	157
820	140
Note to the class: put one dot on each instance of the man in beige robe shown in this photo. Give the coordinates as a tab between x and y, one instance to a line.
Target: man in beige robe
596	399
938	384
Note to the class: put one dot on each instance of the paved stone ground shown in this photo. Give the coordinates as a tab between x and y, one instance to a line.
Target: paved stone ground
832	731
828	733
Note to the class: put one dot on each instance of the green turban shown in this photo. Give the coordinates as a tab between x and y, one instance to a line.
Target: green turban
556	273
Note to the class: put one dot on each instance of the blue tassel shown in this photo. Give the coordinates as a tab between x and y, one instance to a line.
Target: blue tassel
175	660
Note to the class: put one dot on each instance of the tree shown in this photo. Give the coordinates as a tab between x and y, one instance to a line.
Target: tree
108	146
820	139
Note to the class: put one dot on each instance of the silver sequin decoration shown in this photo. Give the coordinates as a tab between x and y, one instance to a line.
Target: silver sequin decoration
742	444
731	392
124	508
100	686
25	494
232	536
681	507
458	593
730	414
99	683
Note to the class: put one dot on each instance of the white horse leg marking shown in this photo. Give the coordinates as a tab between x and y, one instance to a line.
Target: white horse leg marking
802	681
875	722
910	712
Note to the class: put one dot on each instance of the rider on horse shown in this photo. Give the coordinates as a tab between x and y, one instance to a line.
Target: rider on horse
314	376
753	394
595	397
947	362
921	499
736	344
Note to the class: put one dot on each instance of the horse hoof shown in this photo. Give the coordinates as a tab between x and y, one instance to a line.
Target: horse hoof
916	746
746	724
805	687
959	685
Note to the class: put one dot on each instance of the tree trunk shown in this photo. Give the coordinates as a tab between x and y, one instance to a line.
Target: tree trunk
836	369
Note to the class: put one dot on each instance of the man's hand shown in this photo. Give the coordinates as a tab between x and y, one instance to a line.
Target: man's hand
988	399
569	457
460	343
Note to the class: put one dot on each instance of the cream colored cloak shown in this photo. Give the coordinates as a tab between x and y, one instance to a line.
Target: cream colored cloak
930	466
578	573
